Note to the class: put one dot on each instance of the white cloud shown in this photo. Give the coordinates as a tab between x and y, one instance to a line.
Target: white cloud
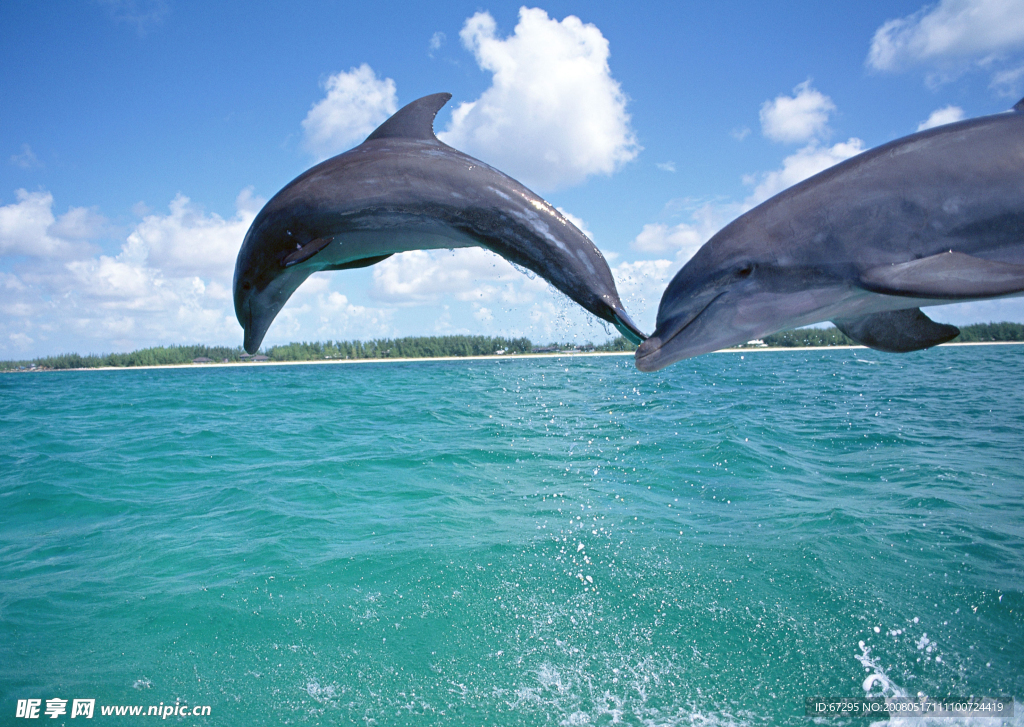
28	227
953	30
470	274
357	102
169	283
797	118
684	239
658	237
553	114
1008	82
316	312
27	159
436	41
641	285
189	242
666	166
797	167
577	221
940	117
474	287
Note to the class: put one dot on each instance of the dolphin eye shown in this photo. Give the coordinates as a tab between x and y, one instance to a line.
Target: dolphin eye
745	270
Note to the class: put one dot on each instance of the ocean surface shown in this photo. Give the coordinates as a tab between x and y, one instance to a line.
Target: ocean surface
549	541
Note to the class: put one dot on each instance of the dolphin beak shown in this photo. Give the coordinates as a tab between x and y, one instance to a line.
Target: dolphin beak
260	307
256	325
627	327
670	342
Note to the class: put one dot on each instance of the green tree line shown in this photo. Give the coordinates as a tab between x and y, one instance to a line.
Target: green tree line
975	333
157	356
415	347
441	346
989	332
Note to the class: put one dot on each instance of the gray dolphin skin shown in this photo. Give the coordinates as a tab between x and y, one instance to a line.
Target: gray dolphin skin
935	217
402	189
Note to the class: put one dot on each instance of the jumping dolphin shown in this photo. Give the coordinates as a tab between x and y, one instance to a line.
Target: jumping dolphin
935	217
402	189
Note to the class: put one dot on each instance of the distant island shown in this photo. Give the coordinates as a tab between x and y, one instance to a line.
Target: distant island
441	347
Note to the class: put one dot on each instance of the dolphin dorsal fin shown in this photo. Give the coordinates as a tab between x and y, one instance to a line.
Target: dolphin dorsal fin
413	121
1019	106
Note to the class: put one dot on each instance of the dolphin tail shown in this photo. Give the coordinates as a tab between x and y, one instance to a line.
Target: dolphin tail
897	331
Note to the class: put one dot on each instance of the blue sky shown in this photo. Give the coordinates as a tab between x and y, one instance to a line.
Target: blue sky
138	139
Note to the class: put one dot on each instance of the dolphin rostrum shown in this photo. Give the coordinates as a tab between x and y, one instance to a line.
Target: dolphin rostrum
935	217
402	189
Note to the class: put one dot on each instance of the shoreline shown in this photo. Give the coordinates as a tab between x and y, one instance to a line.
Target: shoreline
511	357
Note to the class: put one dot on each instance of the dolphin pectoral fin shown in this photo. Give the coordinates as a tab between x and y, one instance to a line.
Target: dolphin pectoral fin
306	251
952	275
897	331
360	263
627	328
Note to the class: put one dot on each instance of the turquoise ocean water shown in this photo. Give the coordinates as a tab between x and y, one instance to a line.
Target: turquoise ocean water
537	542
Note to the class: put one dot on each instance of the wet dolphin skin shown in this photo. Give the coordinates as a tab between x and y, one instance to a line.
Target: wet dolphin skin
935	217
403	189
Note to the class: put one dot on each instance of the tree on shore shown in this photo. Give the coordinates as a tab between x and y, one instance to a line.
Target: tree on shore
441	347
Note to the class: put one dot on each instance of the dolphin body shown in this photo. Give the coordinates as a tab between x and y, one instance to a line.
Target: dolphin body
935	217
402	189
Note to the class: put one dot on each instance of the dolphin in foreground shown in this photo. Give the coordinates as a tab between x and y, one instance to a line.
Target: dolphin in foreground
935	217
403	189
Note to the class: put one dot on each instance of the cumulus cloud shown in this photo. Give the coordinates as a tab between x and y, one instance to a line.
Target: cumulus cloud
190	242
940	117
471	290
684	239
316	311
952	30
470	274
29	227
797	167
797	118
553	114
357	102
170	282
